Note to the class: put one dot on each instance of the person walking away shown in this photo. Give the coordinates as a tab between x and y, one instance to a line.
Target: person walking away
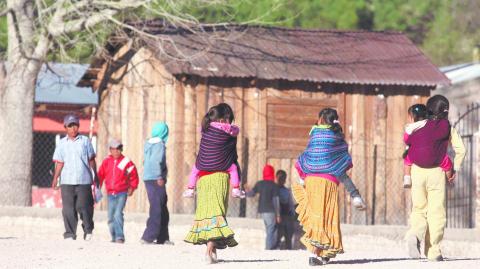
320	166
286	226
417	117
217	153
427	149
155	179
268	204
74	159
120	176
223	123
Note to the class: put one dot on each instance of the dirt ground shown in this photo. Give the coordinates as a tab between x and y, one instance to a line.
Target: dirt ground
33	242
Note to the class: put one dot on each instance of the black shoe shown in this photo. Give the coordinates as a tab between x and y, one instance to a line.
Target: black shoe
312	261
325	260
437	259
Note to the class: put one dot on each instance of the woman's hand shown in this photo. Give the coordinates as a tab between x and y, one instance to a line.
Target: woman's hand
451	175
161	182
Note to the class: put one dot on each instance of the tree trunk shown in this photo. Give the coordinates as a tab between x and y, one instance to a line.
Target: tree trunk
16	114
17	104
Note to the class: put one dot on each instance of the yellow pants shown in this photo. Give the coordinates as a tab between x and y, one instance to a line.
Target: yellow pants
428	217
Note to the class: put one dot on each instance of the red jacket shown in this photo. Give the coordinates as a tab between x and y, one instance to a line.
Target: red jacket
118	174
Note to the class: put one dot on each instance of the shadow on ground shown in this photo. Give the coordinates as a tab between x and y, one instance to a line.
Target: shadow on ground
228	261
360	261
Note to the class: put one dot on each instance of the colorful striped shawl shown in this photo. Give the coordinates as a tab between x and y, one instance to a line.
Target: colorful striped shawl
218	150
326	153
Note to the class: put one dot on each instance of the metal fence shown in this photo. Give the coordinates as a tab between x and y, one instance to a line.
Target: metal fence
379	178
461	195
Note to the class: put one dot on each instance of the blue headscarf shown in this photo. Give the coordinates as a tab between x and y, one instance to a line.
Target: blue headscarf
160	130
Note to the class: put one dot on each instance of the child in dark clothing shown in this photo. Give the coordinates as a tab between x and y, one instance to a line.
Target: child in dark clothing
268	204
286	226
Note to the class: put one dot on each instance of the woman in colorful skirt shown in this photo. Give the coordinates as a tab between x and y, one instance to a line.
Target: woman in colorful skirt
216	155
320	166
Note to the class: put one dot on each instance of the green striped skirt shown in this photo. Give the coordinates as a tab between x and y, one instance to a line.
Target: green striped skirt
210	223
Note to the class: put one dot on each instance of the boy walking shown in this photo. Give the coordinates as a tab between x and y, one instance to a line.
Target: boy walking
268	204
121	179
74	159
286	226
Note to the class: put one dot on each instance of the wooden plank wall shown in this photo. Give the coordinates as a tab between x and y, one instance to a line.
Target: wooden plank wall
148	93
129	109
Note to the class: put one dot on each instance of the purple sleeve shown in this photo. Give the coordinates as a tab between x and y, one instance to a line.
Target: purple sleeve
234	179
192	180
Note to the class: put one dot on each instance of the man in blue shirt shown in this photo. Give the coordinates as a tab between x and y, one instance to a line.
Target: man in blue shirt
74	159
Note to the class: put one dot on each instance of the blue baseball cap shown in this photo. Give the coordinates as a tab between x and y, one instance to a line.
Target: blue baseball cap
69	119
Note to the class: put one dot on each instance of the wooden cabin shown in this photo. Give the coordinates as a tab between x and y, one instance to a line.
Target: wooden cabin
276	80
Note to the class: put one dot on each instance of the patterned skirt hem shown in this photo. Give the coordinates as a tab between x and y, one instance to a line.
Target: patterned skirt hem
317	238
220	241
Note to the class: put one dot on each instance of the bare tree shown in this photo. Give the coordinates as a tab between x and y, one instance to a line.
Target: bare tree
35	29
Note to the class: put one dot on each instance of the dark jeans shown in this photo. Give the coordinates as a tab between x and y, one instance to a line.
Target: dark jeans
77	199
157	223
286	228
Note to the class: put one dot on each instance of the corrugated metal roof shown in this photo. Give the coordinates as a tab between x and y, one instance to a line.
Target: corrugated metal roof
270	53
462	72
57	84
359	57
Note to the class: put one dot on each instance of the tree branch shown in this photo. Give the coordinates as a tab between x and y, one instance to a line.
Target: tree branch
79	24
59	26
4	12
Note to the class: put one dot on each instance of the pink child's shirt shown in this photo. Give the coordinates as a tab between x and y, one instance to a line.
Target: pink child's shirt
232	130
446	164
232	171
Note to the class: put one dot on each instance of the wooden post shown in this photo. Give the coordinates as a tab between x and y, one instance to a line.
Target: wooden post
380	189
394	195
190	144
252	97
359	154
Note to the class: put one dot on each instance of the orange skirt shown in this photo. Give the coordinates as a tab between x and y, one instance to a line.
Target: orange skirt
319	216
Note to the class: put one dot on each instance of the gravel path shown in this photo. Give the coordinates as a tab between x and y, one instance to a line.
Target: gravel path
29	242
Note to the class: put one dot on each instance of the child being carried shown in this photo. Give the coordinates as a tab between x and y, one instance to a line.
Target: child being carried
417	117
327	153
218	150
